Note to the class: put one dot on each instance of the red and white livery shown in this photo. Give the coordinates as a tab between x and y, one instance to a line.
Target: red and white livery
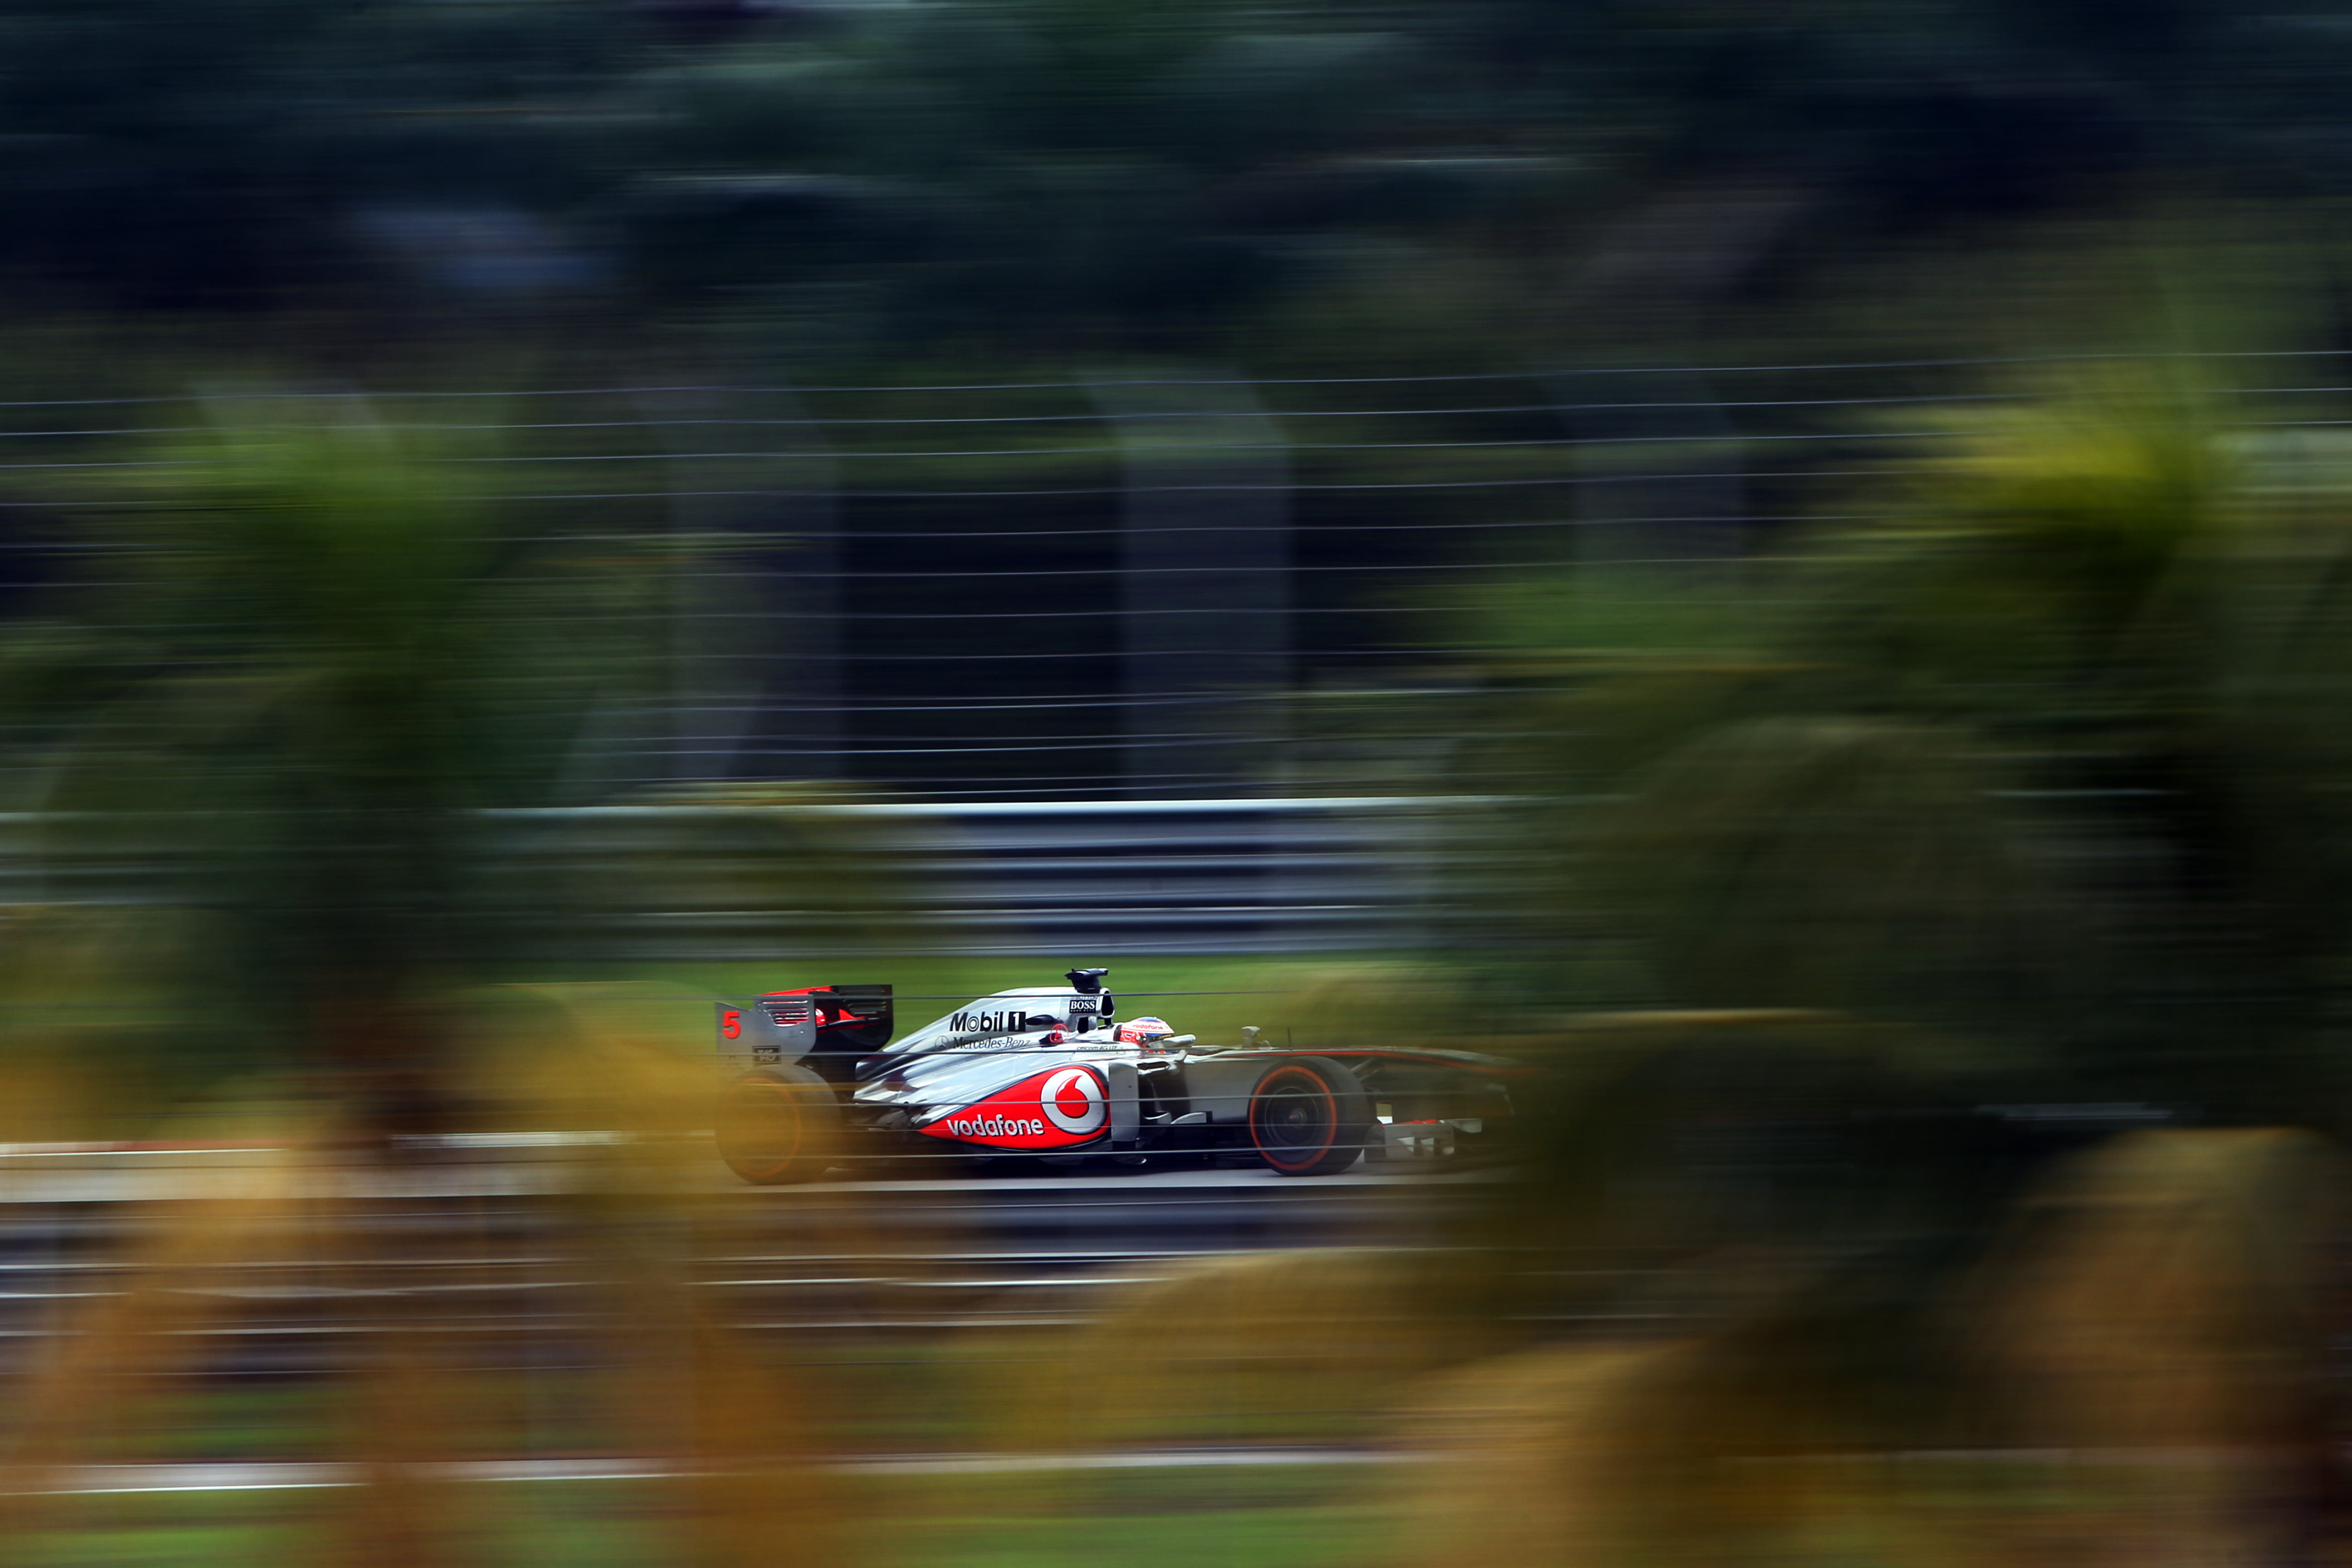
1048	1072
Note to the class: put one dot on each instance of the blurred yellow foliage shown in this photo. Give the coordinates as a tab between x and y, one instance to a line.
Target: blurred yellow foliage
2144	1355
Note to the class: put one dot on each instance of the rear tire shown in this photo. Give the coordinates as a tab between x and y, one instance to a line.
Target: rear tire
1308	1117
777	1125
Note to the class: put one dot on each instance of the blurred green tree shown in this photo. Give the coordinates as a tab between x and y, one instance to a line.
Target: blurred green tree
2049	756
1005	173
308	669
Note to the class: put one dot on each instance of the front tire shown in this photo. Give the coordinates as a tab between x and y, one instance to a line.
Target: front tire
776	1125
1308	1117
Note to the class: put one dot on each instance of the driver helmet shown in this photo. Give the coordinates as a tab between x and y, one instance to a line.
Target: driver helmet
1145	1033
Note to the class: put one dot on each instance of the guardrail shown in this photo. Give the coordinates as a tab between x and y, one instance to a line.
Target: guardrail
1189	875
1319	873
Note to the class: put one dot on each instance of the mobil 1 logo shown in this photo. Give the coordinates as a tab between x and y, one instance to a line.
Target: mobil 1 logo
985	1022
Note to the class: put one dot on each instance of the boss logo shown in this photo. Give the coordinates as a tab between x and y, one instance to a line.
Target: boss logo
1082	1004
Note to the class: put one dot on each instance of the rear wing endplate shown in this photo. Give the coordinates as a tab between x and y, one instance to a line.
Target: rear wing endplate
821	1021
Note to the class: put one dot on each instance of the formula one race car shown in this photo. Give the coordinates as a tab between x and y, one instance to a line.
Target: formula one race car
1048	1072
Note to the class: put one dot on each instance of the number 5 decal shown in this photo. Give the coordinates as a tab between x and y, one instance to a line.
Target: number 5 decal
730	1023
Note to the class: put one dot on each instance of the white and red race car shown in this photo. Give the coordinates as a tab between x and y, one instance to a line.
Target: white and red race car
1049	1072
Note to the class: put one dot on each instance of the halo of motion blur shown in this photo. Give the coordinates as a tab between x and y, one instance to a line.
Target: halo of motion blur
771	1125
1045	1073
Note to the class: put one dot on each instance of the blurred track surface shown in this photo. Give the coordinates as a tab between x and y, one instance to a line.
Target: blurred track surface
839	1261
271	1477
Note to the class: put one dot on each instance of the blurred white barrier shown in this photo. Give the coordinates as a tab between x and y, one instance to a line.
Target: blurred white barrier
1329	874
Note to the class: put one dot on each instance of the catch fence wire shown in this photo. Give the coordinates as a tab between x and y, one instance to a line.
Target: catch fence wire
1218	586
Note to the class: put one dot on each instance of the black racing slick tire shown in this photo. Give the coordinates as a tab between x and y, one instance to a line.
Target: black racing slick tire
776	1125
1308	1117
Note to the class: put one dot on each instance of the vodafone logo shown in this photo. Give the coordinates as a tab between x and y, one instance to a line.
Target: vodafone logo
1072	1100
995	1127
1060	1108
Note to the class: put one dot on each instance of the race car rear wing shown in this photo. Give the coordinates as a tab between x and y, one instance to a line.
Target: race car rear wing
829	1027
